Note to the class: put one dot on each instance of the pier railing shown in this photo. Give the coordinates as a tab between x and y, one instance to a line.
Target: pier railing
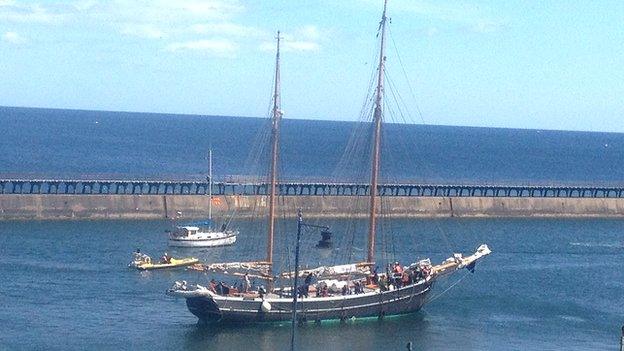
163	187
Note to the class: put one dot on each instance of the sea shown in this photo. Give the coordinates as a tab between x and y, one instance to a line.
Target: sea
550	283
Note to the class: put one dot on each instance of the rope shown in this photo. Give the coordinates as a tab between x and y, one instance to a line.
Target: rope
447	289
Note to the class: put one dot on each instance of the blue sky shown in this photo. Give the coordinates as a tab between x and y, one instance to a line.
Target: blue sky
521	64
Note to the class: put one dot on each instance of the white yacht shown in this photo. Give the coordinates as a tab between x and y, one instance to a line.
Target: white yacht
204	235
194	236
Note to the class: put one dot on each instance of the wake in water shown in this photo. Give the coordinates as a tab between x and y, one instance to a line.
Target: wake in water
611	245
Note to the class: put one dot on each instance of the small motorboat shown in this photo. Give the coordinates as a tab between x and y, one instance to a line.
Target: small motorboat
144	262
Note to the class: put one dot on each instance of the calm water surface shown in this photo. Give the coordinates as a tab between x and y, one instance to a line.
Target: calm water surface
143	145
550	284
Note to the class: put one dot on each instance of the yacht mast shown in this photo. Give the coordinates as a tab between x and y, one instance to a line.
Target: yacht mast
377	119
210	186
277	116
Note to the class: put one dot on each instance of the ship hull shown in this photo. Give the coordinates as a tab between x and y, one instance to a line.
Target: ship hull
219	309
203	242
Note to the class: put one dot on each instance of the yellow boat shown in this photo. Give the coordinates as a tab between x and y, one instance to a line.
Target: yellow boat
173	263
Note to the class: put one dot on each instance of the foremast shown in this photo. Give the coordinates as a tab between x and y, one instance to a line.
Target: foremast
377	120
210	187
276	119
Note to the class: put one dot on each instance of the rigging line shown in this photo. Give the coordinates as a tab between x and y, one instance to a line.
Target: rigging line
365	111
433	298
383	231
447	242
403	137
409	85
396	139
355	140
397	151
390	232
398	99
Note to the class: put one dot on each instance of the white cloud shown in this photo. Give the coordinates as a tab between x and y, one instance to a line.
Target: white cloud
148	31
13	38
465	13
290	46
227	28
202	25
301	46
309	32
432	31
12	11
175	14
219	47
487	26
304	39
85	5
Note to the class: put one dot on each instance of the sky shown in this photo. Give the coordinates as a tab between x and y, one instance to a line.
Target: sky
554	64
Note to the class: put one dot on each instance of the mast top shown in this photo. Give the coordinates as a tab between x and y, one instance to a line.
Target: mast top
277	112
383	16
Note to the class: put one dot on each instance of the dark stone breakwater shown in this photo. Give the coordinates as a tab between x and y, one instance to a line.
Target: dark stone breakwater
195	206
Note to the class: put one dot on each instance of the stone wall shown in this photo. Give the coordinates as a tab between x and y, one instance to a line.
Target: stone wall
185	206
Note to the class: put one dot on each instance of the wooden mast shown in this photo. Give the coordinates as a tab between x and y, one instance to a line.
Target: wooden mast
277	116
210	187
377	119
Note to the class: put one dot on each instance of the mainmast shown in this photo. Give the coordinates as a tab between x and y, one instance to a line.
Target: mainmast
210	186
377	119
277	116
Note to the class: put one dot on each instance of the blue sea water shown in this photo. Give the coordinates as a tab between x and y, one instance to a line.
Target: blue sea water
89	144
550	284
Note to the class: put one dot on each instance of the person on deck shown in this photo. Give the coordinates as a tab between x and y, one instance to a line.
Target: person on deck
166	258
383	283
416	275
397	274
357	287
246	283
406	279
397	268
426	270
261	291
306	285
375	276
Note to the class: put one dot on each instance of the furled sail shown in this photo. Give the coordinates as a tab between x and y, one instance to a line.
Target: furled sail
256	269
351	270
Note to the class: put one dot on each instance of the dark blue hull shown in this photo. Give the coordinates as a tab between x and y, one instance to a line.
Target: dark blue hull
227	309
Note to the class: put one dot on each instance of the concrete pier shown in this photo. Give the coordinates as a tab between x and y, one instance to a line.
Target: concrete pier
195	206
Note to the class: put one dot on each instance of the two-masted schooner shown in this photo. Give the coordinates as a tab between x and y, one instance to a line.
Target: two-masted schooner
375	295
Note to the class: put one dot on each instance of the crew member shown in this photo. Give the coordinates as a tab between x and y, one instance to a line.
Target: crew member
397	274
246	283
306	284
166	258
